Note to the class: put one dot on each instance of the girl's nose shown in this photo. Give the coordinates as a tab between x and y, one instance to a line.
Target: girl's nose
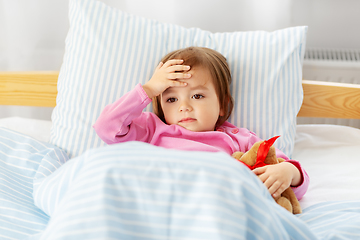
185	106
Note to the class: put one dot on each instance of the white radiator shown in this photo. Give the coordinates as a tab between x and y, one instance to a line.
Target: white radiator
332	65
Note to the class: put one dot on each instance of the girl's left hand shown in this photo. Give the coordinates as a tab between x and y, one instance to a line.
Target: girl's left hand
277	177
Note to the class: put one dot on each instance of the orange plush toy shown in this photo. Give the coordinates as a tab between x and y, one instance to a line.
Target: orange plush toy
263	153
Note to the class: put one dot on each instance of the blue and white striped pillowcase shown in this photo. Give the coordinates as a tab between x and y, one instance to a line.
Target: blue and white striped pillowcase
108	52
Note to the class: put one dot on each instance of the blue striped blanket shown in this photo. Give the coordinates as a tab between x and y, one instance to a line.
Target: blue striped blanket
138	191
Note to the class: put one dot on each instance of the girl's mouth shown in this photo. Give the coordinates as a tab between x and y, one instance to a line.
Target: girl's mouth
187	120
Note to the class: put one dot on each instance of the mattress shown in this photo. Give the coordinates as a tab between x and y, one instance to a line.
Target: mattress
38	129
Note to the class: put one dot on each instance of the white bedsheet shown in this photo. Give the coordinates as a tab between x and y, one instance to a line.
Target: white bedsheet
38	129
329	153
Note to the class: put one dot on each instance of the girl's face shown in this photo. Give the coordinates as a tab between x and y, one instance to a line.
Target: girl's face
195	107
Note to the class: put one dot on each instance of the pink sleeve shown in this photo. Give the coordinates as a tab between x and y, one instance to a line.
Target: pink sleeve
124	120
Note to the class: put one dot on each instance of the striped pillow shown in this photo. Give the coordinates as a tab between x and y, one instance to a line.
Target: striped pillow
108	52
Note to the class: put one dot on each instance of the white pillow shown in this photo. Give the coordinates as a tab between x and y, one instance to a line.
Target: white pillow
108	52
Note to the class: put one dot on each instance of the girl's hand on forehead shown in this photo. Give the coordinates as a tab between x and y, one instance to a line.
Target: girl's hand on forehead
169	74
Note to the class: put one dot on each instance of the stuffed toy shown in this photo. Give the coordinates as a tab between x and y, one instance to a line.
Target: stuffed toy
263	153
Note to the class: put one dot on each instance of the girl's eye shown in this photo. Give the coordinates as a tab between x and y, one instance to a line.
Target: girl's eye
171	100
197	96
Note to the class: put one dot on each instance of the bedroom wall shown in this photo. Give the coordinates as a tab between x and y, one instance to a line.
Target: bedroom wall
33	32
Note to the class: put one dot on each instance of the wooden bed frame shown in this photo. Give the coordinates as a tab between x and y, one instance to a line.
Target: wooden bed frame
321	99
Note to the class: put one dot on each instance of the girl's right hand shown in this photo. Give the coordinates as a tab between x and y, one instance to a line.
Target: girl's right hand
169	74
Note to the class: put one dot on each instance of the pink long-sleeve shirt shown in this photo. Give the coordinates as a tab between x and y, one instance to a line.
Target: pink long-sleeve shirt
124	120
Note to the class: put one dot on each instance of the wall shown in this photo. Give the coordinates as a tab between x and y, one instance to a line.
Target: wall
332	23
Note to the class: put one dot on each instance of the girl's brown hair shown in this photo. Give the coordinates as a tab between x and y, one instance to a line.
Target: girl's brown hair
219	70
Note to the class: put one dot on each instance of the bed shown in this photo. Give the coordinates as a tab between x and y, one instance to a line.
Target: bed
59	181
328	152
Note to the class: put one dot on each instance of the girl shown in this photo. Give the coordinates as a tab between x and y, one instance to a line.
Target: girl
191	96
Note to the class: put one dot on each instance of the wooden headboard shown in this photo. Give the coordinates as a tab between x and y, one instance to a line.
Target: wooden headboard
321	99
